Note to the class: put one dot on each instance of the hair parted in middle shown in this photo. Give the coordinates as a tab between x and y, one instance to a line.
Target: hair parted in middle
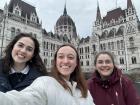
104	52
76	75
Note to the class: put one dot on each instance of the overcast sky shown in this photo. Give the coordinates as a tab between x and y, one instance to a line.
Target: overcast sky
83	12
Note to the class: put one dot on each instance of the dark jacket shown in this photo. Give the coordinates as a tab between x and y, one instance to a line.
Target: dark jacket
5	82
117	90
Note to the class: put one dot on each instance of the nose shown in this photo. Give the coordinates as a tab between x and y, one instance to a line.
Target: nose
104	64
23	50
65	60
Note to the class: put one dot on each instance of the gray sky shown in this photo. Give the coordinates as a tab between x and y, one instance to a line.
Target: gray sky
83	12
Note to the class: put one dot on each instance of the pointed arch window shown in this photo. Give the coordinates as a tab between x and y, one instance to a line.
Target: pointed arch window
112	32
81	63
134	60
87	63
17	31
131	29
45	61
33	17
118	44
17	10
121	60
131	41
120	31
12	32
122	44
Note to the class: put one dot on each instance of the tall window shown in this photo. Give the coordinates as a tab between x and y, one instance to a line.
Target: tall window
81	63
134	60
118	44
87	63
131	41
17	31
122	44
17	11
12	32
33	17
94	47
121	61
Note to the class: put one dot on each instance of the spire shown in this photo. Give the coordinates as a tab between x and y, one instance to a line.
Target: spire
129	4
98	15
65	10
6	8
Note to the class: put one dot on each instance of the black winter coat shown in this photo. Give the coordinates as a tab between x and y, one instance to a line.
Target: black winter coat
5	84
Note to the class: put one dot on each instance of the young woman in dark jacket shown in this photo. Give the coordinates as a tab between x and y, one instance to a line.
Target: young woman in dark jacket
21	63
108	86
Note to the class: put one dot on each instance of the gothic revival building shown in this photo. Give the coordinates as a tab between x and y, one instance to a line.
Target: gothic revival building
64	32
18	16
119	32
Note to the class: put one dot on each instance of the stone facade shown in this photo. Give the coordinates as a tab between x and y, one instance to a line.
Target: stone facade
117	32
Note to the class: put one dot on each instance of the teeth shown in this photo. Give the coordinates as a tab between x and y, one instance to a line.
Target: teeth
21	56
65	67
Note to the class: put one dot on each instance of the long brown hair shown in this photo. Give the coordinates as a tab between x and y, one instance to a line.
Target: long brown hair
36	61
76	75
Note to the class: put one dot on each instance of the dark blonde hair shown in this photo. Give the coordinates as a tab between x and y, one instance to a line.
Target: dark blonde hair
76	75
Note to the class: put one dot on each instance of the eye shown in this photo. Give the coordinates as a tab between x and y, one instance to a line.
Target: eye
99	62
71	57
108	61
30	49
20	45
60	56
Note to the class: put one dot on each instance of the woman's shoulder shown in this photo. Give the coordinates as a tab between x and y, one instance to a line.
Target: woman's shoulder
46	79
125	81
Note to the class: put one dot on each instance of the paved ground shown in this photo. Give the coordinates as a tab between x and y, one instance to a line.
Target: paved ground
138	87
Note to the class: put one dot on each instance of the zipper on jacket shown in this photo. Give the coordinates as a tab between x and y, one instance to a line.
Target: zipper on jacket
117	98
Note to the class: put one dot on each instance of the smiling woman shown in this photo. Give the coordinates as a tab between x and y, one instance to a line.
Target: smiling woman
21	64
67	85
108	86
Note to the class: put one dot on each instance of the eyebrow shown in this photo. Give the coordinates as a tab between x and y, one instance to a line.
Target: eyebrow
24	44
63	54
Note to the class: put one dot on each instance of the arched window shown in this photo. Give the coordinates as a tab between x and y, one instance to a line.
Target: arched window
81	63
45	61
134	60
87	63
17	11
120	31
118	44
131	41
104	34
112	32
33	17
17	31
122	44
121	60
12	32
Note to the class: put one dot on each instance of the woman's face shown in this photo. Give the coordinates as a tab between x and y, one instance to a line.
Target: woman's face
66	61
104	65
23	50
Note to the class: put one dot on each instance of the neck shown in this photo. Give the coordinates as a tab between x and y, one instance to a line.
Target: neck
19	67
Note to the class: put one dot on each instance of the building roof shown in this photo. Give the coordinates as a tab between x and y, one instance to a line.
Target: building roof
65	19
26	9
114	14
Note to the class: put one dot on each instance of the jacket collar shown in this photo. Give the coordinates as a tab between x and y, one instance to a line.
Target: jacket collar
115	77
